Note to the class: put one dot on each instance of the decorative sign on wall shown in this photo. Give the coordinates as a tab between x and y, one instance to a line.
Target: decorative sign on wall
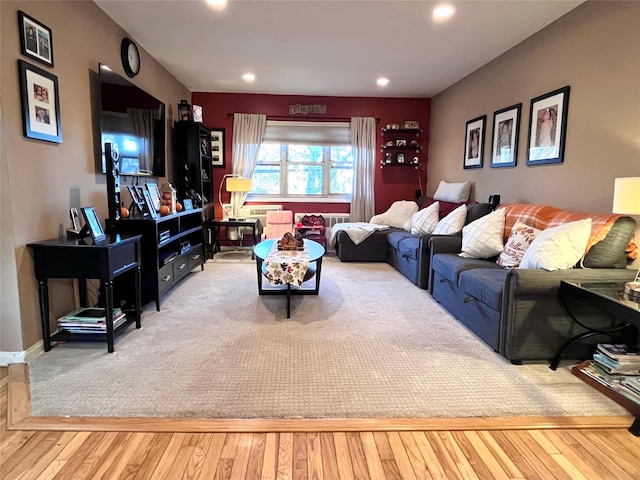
299	109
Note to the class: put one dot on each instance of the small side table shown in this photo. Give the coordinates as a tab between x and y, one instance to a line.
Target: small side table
608	297
73	258
253	223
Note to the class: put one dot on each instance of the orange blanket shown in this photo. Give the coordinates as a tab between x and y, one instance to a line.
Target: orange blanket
544	216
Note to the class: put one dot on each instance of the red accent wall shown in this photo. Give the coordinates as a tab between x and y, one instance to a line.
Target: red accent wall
391	183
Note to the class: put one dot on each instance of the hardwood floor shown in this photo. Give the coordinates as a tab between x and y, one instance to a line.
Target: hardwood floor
33	448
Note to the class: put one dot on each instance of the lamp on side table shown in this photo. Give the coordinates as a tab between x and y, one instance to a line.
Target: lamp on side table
626	200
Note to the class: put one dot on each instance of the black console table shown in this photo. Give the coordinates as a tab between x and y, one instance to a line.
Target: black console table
253	223
74	258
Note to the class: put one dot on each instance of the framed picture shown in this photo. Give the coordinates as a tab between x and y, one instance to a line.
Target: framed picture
36	40
137	202
401	143
400	158
40	103
217	147
474	142
154	193
187	203
548	127
506	129
92	224
410	125
150	207
227	211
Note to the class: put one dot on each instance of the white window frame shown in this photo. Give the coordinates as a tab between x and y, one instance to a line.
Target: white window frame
324	134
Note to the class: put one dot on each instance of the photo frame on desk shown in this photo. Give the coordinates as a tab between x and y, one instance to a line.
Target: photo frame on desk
154	193
150	207
92	225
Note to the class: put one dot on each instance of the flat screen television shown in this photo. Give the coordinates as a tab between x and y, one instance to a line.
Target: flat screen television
134	121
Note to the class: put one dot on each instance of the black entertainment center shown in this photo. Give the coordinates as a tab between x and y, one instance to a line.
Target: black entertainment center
132	143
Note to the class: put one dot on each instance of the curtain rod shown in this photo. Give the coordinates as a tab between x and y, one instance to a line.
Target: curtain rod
291	117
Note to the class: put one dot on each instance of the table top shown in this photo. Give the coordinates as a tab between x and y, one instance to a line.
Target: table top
237	223
314	249
110	241
606	295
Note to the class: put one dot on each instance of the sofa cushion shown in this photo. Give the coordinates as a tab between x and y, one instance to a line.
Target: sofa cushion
482	238
484	284
450	265
425	220
452	223
398	215
558	248
610	252
519	241
453	192
395	237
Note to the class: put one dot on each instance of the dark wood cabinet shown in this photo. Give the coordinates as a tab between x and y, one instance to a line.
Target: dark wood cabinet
171	247
193	174
401	147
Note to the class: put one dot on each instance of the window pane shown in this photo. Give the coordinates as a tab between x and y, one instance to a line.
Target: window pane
304	179
269	153
341	179
305	153
341	155
266	180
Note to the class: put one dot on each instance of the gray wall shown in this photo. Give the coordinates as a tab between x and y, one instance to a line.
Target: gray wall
40	181
596	50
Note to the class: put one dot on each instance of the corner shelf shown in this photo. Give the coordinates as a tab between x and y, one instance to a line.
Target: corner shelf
397	148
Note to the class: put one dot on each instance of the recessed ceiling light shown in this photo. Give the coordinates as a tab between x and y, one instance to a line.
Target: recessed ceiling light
248	77
382	82
443	12
217	4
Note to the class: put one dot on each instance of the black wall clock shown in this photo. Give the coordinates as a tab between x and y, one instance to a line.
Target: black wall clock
130	57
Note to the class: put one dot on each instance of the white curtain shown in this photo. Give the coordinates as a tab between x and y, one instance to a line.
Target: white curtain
248	132
142	120
363	142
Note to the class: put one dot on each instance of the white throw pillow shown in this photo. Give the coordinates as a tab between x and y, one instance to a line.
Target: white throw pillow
452	223
482	238
453	192
425	220
519	241
558	248
398	216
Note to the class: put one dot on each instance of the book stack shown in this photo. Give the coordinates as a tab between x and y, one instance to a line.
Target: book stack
618	367
90	320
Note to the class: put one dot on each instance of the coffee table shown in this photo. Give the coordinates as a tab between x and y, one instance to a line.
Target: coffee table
315	252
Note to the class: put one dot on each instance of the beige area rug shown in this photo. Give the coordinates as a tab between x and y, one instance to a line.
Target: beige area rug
371	345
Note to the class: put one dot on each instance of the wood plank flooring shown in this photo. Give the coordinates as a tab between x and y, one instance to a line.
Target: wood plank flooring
34	448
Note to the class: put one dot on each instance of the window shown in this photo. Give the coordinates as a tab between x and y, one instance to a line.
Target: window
304	160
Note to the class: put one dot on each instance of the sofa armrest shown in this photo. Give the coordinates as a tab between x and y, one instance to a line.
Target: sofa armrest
534	322
441	244
533	281
445	244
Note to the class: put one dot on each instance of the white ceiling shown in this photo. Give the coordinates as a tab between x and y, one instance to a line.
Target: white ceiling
328	47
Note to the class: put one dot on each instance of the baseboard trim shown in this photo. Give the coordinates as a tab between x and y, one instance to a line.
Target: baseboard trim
9	358
19	418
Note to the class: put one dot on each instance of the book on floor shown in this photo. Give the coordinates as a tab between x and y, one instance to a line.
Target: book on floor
90	314
620	352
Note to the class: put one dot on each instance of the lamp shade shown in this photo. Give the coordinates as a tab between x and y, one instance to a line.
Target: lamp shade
626	196
235	184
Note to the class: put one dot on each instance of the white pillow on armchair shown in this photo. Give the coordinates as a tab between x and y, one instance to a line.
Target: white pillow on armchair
398	216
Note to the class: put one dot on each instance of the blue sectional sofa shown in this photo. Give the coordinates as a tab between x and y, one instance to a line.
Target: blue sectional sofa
518	312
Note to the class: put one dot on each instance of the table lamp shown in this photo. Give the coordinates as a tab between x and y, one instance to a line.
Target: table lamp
234	183
626	199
